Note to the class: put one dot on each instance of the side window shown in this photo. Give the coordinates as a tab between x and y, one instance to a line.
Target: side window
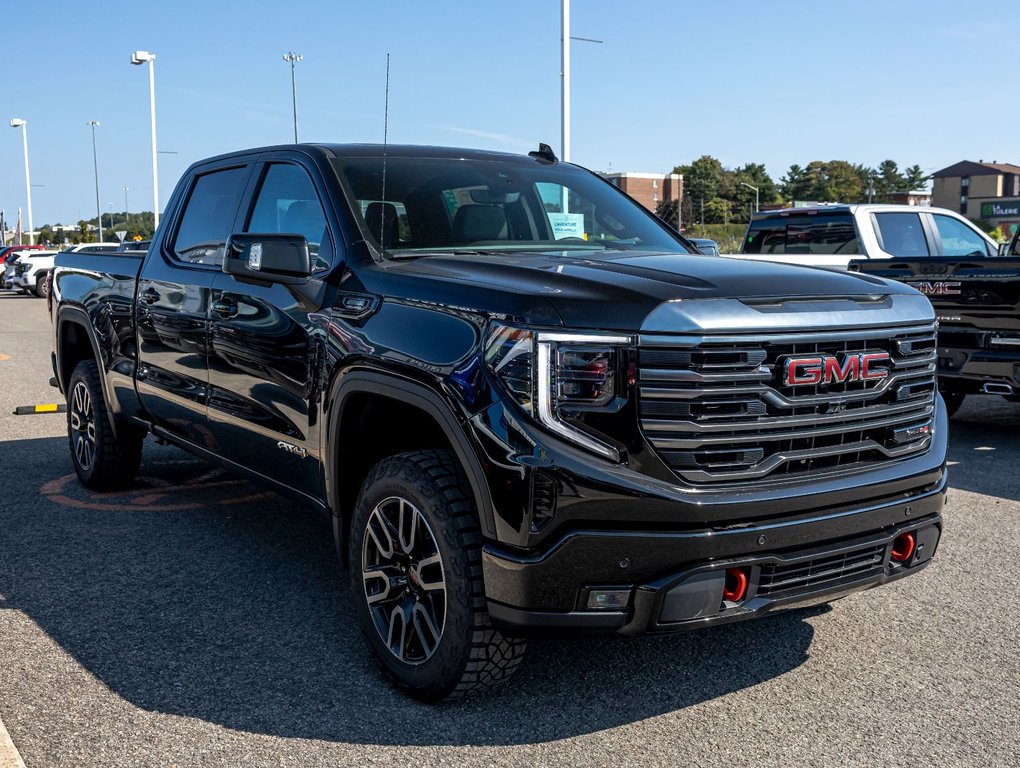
901	235
822	235
209	215
958	239
287	203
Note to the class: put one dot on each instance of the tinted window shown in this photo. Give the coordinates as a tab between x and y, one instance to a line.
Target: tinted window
901	234
209	216
958	239
820	234
287	203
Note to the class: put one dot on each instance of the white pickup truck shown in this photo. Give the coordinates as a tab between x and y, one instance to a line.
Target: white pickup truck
832	235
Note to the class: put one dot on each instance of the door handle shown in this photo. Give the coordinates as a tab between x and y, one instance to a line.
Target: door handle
150	296
225	307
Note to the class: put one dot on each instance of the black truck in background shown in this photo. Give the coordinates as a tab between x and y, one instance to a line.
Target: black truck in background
977	301
527	405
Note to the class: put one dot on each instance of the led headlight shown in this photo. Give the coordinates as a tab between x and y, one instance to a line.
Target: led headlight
555	374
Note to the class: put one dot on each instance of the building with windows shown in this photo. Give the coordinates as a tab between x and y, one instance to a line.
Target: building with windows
918	197
649	189
980	191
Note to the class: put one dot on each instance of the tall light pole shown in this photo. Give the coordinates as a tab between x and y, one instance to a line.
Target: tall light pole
144	57
23	125
125	203
93	124
749	186
565	39
293	58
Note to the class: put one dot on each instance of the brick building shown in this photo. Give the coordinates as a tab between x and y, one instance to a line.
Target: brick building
989	191
649	189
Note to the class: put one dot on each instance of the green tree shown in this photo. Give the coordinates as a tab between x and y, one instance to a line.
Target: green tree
915	178
888	180
796	184
701	178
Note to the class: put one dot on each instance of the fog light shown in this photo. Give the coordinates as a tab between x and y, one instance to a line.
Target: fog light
608	599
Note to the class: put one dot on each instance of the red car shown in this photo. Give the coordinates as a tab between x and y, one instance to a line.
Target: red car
11	248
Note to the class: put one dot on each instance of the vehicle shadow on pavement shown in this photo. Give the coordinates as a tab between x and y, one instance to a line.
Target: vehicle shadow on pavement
199	594
984	447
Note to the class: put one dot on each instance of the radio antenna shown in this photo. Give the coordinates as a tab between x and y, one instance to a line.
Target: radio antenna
385	141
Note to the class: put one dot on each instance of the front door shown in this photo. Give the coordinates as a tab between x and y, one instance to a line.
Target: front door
263	385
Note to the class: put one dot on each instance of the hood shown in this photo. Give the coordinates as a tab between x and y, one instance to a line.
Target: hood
632	291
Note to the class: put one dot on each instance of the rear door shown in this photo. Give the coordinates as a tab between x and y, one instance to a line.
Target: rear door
172	307
264	386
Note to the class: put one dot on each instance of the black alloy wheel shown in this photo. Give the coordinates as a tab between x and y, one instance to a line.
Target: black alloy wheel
404	580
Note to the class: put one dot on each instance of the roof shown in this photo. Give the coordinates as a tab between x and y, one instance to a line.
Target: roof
970	168
846	208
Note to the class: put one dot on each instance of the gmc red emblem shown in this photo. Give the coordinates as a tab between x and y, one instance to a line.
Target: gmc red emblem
834	369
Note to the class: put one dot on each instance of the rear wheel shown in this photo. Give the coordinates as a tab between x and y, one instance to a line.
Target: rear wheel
415	554
953	402
103	460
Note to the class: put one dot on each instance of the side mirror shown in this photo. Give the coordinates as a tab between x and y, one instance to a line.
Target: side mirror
268	258
1004	248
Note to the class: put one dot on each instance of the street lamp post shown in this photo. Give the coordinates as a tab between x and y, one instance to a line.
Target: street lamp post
139	58
749	186
23	125
93	124
125	202
293	58
565	39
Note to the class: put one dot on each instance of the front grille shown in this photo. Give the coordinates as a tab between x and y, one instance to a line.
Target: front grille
717	411
777	579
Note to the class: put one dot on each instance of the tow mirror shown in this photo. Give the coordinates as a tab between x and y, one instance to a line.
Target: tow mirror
270	258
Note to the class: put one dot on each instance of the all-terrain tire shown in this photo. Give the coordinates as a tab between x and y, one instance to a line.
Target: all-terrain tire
103	460
470	654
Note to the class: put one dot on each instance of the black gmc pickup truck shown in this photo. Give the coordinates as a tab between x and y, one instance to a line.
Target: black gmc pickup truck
977	302
527	405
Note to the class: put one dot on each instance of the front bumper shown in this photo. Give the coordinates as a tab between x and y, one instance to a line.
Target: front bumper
664	570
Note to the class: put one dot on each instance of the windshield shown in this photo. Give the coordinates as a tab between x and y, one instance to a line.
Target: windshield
453	204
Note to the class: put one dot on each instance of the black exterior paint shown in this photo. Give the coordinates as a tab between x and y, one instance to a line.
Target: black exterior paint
282	362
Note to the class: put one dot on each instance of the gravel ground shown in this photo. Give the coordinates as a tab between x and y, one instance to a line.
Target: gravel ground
200	621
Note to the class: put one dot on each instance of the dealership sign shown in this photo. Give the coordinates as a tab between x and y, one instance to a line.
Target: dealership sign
1002	208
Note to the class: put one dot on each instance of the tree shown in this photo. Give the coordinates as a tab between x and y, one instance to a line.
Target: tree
701	178
796	184
915	178
888	180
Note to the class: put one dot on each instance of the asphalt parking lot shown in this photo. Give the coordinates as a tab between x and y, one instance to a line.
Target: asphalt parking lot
199	620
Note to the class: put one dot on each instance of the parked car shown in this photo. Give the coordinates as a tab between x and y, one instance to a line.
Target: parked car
832	235
706	246
8	249
977	301
10	265
133	245
32	272
523	402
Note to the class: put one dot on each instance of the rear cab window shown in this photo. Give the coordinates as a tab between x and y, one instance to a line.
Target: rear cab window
901	234
820	234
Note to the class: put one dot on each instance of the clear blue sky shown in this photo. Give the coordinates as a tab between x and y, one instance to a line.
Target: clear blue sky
927	82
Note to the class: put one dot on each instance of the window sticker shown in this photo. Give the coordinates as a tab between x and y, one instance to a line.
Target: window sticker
567	225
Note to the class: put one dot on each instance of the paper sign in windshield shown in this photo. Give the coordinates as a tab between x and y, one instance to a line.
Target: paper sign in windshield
566	225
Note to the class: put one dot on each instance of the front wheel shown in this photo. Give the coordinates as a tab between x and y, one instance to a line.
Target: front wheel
416	572
103	460
42	286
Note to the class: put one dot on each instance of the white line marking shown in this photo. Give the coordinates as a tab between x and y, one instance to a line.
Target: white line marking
9	757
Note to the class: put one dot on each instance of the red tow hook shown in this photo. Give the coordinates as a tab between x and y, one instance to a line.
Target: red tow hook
735	586
903	547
